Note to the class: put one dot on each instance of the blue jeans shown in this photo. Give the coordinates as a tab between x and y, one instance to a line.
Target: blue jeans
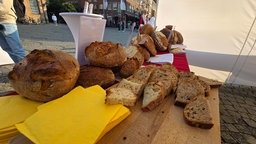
10	42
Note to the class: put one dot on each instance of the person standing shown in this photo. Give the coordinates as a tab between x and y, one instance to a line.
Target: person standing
152	19
54	19
9	35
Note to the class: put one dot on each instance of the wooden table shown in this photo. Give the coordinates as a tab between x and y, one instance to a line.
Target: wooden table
164	125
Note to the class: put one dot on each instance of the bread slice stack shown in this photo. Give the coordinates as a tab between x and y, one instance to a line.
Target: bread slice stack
191	93
160	84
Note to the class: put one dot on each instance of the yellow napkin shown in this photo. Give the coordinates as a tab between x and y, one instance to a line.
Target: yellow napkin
14	109
79	117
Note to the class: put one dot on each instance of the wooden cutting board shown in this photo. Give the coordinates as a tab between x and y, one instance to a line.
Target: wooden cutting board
164	125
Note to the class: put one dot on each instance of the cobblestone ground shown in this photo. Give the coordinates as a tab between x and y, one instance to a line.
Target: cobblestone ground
237	102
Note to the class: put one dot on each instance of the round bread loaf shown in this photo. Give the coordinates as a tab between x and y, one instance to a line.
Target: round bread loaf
105	54
91	75
44	75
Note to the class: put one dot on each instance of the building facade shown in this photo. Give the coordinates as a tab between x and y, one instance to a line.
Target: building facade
116	10
36	11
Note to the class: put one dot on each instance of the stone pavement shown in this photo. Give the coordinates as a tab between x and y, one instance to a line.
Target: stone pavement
237	102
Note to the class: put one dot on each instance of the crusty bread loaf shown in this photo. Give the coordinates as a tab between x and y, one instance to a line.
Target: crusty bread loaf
122	96
146	29
153	95
91	75
136	88
176	38
198	113
105	54
44	75
187	89
160	40
146	41
129	67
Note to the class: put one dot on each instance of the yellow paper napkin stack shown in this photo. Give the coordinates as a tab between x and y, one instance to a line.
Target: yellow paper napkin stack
79	117
14	109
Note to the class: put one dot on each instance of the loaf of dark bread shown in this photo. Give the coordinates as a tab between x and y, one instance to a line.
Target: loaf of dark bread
91	75
44	75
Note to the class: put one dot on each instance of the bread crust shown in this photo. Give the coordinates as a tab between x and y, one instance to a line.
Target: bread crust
105	54
91	75
44	75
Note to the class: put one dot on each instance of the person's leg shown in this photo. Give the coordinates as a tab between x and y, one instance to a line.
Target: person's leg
10	42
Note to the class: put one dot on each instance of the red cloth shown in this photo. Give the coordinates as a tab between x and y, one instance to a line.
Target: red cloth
179	61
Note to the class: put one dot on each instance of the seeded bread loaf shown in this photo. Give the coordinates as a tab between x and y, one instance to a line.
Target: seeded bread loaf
44	75
198	113
105	54
153	95
129	67
122	96
91	75
187	89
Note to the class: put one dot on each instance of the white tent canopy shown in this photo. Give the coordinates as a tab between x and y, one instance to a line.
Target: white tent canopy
220	36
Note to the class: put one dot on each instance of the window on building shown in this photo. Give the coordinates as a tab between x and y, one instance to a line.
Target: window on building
34	6
114	5
101	6
95	0
109	6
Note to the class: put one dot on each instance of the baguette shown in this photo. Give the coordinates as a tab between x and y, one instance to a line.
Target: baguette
197	113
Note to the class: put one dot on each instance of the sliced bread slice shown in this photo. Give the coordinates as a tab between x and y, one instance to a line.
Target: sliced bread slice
120	96
153	95
136	88
198	113
187	90
143	73
213	83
